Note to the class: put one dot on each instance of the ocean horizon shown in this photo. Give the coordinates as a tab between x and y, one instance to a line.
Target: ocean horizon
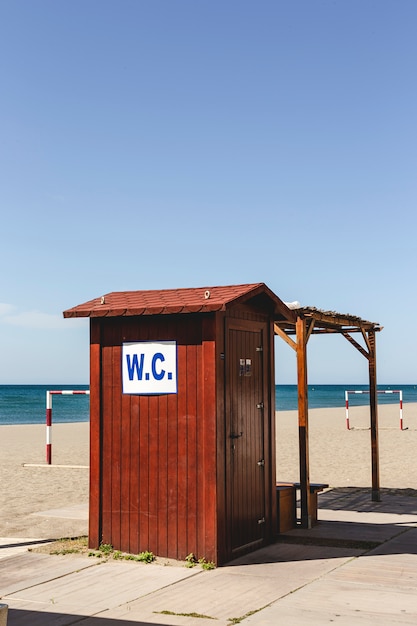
26	404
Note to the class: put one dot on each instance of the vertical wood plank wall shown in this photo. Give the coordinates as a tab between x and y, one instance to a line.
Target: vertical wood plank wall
157	472
94	530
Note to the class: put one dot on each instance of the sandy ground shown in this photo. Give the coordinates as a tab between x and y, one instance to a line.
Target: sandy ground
27	491
338	456
342	457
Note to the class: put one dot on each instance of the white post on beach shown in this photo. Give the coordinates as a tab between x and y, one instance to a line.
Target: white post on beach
49	394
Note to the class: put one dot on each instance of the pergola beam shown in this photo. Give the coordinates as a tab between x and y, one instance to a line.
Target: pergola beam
366	340
281	333
356	344
310	329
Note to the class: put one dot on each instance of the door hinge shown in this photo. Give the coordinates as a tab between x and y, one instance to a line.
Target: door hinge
261	463
260	405
261	521
260	349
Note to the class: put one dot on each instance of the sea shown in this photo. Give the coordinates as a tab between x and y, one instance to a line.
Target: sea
26	404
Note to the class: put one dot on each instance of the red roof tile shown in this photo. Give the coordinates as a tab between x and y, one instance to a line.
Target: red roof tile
169	301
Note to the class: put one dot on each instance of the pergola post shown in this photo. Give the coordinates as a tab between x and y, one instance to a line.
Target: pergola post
303	421
373	402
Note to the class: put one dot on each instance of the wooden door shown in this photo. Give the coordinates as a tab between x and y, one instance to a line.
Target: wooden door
245	430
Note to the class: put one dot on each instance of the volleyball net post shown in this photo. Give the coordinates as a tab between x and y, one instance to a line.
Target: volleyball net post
382	391
49	394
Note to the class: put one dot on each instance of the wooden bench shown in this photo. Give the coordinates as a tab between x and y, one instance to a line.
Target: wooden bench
286	503
286	507
315	488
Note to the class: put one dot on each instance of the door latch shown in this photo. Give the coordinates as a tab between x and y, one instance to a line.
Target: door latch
261	463
235	436
260	405
261	521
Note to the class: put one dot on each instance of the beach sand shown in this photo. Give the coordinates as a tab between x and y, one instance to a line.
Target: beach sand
342	457
27	491
31	496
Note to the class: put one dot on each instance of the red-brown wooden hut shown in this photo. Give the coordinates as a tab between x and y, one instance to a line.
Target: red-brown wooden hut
182	413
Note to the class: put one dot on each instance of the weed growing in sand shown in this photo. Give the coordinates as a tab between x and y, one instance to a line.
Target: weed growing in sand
106	550
79	545
185	614
191	561
146	557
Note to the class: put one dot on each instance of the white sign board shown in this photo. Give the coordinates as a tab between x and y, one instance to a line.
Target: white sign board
149	367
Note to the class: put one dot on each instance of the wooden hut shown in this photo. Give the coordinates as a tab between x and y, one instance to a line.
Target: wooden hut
182	411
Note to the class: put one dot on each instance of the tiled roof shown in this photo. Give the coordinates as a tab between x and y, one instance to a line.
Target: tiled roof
192	300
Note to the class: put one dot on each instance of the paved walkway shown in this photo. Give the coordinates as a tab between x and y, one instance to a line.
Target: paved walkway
358	566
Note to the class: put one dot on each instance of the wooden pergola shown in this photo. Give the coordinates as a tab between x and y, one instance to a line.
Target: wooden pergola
309	321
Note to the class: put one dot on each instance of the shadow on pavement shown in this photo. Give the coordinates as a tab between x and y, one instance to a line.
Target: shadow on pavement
18	617
393	501
18	544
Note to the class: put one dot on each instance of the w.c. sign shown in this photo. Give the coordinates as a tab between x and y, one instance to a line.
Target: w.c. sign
149	367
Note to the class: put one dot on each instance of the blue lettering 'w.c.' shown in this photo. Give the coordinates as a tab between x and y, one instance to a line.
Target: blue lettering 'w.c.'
134	365
157	357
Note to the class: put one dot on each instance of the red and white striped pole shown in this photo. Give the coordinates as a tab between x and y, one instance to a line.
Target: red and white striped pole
49	394
347	405
401	410
347	409
48	428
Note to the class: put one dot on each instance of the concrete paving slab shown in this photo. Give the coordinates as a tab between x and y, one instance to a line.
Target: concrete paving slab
404	543
379	586
315	582
326	602
230	592
88	587
28	570
38	584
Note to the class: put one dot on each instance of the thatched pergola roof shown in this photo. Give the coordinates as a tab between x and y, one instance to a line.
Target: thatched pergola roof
331	321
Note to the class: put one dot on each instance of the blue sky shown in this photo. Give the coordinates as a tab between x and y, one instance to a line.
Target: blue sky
182	143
